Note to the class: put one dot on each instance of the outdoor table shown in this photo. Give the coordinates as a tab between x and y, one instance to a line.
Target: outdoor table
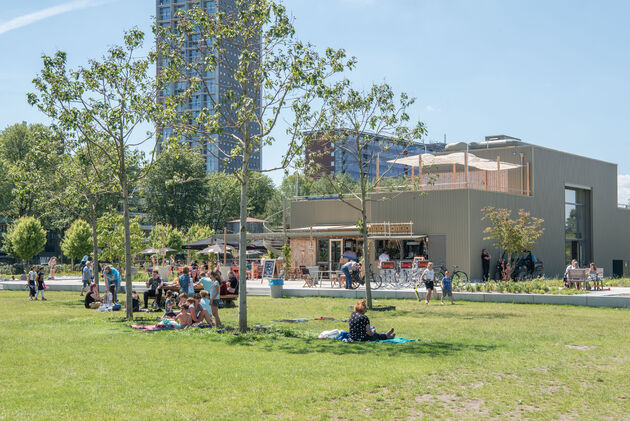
330	275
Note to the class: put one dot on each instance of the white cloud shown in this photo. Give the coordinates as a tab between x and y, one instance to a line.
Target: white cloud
31	18
432	109
623	188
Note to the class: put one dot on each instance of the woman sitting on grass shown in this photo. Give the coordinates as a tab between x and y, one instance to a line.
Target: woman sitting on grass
198	313
92	299
360	326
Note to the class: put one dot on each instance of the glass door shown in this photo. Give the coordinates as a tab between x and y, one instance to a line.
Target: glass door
335	248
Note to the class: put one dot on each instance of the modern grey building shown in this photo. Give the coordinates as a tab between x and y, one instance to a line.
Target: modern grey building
575	195
218	82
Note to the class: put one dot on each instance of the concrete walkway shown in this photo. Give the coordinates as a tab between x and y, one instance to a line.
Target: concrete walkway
615	298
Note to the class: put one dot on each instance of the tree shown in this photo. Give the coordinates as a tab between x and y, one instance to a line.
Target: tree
356	122
166	236
272	71
174	186
221	202
111	237
27	170
512	235
77	241
27	238
105	102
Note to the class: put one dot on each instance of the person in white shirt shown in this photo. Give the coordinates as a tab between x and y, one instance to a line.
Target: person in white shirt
384	257
574	265
427	277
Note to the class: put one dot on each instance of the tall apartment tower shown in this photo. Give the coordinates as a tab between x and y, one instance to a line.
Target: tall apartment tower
218	81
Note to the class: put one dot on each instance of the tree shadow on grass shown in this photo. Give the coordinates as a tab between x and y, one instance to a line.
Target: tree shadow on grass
474	316
431	349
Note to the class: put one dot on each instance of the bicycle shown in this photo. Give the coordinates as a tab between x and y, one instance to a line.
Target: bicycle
357	280
456	275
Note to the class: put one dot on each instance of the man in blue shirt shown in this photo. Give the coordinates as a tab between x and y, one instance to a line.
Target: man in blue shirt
112	277
87	276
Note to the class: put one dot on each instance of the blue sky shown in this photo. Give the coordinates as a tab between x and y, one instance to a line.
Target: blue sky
552	73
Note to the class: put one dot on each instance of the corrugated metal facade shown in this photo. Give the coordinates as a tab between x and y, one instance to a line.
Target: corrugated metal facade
457	213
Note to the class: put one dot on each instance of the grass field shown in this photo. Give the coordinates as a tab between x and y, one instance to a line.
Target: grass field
474	360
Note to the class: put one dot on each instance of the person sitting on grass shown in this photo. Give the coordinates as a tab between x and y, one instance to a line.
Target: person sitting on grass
205	301
183	318
198	313
109	304
360	326
135	300
447	287
183	297
169	304
92	299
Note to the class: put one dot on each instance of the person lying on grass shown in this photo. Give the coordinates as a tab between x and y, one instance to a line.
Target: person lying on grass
198	313
360	326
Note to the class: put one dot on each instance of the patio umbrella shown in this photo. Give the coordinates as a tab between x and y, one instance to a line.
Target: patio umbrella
166	250
216	249
150	251
254	252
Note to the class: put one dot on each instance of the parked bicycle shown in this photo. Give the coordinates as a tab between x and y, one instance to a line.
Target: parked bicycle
357	280
456	275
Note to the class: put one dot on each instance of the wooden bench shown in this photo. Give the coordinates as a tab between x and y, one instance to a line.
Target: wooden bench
577	277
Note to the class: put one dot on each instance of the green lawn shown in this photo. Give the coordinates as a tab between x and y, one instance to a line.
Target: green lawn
474	360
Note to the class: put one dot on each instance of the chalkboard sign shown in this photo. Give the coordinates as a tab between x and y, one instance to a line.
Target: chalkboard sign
269	268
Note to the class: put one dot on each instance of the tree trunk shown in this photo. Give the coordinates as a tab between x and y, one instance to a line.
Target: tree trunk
242	253
94	242
125	195
366	256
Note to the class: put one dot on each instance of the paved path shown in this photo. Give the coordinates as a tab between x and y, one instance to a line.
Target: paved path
616	297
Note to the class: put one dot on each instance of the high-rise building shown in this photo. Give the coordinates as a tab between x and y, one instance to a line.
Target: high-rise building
339	157
218	81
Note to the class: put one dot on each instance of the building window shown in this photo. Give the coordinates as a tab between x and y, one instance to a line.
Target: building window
577	225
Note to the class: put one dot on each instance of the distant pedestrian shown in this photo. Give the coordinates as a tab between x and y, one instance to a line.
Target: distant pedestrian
447	287
52	264
428	277
87	276
40	283
32	282
485	264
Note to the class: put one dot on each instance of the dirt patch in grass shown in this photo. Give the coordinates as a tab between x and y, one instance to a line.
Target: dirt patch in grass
455	404
581	347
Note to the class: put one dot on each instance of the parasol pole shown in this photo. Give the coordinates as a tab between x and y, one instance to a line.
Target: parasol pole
225	246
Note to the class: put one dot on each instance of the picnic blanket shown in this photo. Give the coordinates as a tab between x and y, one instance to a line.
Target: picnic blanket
302	320
156	327
345	337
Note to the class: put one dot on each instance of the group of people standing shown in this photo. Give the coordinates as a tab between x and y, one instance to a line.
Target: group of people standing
428	278
35	283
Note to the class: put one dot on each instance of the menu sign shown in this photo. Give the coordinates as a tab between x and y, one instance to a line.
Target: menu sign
390	229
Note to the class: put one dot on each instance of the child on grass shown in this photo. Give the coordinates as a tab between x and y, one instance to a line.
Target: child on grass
447	287
183	318
32	279
169	304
